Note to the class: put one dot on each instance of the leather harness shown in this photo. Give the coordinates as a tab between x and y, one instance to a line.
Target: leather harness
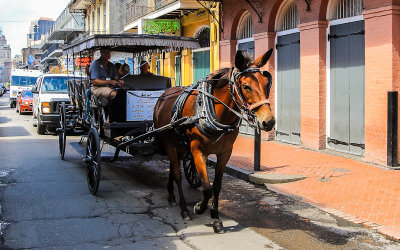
205	118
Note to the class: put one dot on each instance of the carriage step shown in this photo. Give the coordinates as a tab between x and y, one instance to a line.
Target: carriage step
59	130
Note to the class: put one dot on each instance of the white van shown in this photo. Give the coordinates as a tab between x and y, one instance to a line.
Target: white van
48	93
21	79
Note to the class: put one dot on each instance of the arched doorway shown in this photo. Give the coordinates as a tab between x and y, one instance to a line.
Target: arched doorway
201	57
245	43
346	77
288	74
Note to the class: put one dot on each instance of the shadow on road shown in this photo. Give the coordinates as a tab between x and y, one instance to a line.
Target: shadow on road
13	131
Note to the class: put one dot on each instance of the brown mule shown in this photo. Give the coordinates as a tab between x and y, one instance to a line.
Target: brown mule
244	88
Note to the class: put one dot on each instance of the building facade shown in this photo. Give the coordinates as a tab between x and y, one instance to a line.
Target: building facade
66	29
5	59
334	63
101	16
37	30
185	18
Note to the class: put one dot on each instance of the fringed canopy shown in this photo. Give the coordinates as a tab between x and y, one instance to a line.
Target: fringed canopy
133	43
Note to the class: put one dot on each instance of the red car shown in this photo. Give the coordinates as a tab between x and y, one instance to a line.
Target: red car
24	102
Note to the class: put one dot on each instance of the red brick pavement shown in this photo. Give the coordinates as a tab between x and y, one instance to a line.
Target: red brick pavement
354	190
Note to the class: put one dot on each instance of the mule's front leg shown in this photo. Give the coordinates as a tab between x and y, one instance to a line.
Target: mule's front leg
219	173
200	161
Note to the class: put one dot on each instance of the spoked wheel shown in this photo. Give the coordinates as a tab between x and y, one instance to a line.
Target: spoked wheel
93	158
192	177
62	137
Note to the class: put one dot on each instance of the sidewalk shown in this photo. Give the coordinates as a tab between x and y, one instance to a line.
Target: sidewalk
358	192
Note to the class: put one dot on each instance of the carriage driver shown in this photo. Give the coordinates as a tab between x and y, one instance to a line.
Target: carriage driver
104	76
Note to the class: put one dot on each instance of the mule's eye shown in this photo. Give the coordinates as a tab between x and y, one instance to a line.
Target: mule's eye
246	87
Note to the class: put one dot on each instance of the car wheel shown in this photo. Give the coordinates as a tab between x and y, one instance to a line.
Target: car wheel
40	128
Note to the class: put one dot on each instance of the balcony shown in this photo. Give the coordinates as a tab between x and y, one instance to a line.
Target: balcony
168	9
66	24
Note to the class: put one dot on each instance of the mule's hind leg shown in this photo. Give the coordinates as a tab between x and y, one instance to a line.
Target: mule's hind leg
200	160
175	173
219	173
170	186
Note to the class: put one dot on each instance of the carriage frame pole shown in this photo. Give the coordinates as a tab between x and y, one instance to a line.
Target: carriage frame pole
257	149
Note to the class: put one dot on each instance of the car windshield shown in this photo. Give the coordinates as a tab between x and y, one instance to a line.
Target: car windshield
27	94
55	84
23	80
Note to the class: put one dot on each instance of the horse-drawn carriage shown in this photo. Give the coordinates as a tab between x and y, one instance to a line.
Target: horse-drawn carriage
130	113
187	124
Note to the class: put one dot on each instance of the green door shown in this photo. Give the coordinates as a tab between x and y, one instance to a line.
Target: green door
178	71
201	64
347	87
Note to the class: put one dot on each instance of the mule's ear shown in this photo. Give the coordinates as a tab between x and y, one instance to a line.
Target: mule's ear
262	60
240	61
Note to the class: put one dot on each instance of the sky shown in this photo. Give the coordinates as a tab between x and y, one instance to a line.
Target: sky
16	17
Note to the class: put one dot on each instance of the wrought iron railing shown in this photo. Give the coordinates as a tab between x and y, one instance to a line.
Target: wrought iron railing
54	47
44	55
139	8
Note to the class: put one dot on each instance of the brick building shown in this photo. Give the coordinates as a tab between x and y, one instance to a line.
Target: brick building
333	65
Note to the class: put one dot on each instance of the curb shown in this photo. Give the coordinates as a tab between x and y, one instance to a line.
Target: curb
260	178
256	177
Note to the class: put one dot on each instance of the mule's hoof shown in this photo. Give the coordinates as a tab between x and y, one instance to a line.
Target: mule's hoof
185	215
172	201
218	227
198	210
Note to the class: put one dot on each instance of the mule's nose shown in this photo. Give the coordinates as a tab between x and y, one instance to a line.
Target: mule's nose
268	125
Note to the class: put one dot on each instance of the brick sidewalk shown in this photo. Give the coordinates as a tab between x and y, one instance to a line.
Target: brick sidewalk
353	190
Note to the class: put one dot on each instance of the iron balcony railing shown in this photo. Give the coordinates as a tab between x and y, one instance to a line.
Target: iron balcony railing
139	8
44	55
54	47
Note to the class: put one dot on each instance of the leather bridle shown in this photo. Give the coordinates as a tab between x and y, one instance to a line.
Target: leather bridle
235	87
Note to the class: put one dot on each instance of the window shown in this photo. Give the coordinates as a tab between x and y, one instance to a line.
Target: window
98	21
245	33
105	17
204	37
158	67
246	27
345	8
289	19
93	21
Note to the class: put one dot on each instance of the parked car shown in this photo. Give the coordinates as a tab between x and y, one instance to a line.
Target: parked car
49	92
2	89
24	102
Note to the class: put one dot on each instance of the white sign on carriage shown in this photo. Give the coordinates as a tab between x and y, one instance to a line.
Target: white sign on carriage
140	104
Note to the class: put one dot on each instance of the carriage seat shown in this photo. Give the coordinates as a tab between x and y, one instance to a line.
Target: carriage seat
147	82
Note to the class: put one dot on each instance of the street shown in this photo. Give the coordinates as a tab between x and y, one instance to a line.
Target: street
46	204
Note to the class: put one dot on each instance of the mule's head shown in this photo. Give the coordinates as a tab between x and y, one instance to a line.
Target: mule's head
254	85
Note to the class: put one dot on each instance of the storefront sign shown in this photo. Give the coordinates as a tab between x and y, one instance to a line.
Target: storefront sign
162	26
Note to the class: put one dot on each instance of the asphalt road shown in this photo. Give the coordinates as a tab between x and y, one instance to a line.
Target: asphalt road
45	204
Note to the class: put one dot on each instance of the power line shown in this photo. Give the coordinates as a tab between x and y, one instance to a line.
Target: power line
12	21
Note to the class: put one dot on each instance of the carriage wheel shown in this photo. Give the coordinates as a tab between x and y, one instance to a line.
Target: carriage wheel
62	138
93	158
192	177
